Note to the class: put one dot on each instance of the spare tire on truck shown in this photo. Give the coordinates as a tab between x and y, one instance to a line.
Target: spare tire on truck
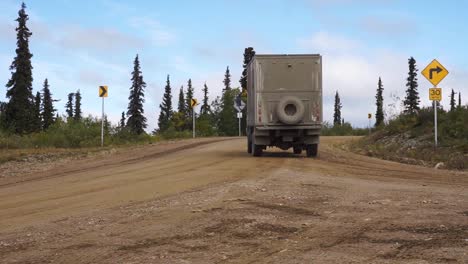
290	110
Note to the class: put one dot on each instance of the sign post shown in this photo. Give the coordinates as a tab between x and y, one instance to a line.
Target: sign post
435	73
239	105
103	92
369	116
239	116
193	103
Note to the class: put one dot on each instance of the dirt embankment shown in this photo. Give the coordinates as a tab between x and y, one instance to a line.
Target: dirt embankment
410	149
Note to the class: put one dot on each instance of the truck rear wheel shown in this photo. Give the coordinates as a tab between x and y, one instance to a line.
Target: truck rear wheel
312	150
297	150
257	150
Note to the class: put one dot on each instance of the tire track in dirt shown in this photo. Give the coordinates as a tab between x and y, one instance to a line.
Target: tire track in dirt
109	162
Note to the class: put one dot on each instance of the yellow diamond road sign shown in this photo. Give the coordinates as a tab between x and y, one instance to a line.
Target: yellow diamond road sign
193	103
103	91
435	72
435	94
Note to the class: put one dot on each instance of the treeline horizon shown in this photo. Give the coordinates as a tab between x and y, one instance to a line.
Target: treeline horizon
25	113
411	102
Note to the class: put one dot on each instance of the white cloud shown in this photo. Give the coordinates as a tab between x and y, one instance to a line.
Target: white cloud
157	33
99	39
353	70
388	26
325	42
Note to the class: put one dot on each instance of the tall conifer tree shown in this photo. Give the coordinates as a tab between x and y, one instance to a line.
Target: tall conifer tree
188	106
37	113
227	123
181	108
452	101
379	114
165	107
136	121
48	110
77	111
122	121
189	96
459	100
337	112
205	108
69	109
20	107
227	80
248	55
411	101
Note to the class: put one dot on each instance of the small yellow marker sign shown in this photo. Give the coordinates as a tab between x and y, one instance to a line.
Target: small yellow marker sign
103	91
435	94
435	72
193	103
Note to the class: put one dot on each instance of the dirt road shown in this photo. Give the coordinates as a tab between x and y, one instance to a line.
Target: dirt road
210	202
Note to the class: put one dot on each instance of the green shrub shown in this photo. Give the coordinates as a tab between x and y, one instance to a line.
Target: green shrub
74	134
342	130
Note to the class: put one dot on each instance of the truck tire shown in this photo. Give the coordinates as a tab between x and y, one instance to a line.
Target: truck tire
312	150
249	145
257	150
297	150
290	110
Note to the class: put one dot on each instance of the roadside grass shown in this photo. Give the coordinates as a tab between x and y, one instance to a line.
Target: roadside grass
72	138
410	139
342	130
46	153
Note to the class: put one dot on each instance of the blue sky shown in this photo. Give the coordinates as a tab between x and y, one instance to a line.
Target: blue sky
83	44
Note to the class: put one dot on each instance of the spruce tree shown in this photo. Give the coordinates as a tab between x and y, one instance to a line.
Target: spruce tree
20	107
122	121
165	107
188	106
379	114
205	108
248	55
228	124
77	111
179	119
459	99
182	104
411	101
136	121
337	113
69	106
452	101
47	106
227	80
37	113
189	97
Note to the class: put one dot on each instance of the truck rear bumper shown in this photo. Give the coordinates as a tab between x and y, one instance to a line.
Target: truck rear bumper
313	127
286	136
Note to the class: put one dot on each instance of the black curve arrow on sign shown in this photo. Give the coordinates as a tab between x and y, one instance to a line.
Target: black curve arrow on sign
437	69
103	91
